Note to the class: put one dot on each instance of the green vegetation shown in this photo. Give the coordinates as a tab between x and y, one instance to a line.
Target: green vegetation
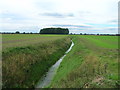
92	63
24	64
18	40
54	31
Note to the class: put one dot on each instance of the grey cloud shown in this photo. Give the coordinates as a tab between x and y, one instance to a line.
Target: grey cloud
76	26
112	28
114	21
58	15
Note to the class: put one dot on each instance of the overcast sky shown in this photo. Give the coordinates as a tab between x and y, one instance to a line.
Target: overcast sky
80	16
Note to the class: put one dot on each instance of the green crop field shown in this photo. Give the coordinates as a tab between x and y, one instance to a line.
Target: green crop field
103	41
17	40
92	62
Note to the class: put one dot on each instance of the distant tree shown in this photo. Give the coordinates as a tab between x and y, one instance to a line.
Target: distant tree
117	35
23	32
17	32
98	34
80	33
54	31
85	34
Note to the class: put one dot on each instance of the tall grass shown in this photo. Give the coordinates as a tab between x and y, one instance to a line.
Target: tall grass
24	66
14	40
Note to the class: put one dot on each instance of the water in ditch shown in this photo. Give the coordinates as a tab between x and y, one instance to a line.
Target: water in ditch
46	80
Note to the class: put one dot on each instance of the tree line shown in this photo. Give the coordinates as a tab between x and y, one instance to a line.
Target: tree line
57	31
54	31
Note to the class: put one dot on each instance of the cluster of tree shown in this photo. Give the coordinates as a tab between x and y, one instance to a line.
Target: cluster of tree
96	34
17	32
117	34
54	31
109	34
101	34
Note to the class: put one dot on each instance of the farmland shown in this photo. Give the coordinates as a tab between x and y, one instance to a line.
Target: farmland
17	40
26	58
92	62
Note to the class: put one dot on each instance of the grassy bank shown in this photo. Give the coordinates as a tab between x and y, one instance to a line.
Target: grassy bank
92	63
23	66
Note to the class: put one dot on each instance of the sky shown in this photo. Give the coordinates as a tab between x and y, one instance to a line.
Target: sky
80	16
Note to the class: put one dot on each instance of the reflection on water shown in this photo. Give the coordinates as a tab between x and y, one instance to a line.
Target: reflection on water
45	81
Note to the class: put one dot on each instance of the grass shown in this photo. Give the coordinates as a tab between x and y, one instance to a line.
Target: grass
92	63
24	64
18	40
